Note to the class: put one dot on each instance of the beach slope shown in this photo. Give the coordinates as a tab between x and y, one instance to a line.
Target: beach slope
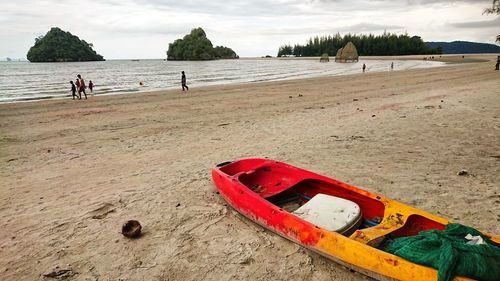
74	171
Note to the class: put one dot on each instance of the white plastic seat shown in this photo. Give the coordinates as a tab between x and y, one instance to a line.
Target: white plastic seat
331	213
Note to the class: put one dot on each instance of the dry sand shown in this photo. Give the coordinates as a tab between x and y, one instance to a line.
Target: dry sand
73	171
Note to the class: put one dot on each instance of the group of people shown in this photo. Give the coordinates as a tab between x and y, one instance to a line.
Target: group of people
79	86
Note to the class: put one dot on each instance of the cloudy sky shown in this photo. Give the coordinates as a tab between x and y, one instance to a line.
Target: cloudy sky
143	28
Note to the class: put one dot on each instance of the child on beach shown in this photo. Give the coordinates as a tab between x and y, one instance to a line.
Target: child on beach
77	84
91	86
73	89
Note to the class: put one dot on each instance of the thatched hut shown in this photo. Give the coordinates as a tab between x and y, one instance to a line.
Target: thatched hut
324	58
347	54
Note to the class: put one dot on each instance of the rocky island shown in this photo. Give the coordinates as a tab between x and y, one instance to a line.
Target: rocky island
61	46
196	46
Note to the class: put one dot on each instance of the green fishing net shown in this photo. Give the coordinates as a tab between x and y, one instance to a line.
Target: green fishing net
448	251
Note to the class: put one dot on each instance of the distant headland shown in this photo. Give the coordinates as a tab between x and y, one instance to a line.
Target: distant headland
196	46
61	46
464	47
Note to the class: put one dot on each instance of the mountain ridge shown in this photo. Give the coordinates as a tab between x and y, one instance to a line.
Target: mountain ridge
464	47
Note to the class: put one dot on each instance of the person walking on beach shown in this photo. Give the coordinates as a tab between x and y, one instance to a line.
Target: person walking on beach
364	67
392	65
91	86
183	82
82	87
73	89
497	66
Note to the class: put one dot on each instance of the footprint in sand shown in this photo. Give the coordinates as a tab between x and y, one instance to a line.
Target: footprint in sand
102	211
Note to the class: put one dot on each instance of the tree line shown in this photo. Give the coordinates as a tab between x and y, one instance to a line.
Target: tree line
387	44
495	9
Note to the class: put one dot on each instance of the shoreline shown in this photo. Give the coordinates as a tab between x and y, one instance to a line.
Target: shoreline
454	58
448	59
74	172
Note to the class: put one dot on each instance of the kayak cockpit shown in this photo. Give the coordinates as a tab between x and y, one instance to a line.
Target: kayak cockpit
379	218
290	189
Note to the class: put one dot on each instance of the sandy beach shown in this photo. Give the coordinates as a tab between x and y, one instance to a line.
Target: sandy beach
74	171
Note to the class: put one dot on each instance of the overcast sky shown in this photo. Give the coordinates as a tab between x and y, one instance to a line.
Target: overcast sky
143	28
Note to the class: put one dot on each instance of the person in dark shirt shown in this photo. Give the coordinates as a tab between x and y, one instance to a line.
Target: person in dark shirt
73	89
498	63
183	82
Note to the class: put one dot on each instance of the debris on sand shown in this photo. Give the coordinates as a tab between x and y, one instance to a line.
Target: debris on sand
131	229
463	172
61	273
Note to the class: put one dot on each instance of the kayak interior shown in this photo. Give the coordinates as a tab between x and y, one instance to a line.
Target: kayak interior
289	188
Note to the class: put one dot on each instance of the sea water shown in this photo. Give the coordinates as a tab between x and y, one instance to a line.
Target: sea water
23	81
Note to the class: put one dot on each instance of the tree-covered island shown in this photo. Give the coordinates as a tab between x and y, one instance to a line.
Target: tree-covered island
61	46
387	44
196	46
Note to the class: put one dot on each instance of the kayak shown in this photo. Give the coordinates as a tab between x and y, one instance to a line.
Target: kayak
339	221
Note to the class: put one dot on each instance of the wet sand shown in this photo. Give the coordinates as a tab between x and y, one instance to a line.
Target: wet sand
74	171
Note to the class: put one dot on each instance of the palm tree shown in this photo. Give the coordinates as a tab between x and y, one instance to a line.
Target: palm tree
495	9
